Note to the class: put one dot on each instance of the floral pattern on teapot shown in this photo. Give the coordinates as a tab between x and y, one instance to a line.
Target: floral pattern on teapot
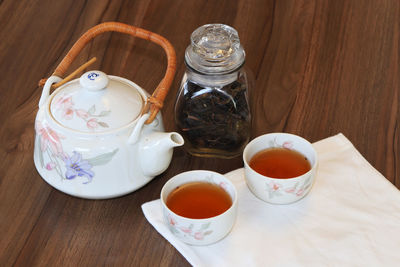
66	107
53	158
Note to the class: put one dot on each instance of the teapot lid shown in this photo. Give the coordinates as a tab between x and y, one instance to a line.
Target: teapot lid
97	103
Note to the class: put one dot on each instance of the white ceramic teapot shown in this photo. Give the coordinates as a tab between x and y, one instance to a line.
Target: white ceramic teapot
101	136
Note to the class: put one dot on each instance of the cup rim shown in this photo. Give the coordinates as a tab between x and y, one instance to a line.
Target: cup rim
313	166
234	201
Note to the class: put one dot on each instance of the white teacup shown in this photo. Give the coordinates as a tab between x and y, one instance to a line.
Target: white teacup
200	231
277	190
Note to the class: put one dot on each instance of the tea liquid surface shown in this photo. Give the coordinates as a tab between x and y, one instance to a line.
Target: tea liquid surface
199	200
280	163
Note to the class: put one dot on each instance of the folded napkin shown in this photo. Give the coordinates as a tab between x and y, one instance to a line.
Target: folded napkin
351	217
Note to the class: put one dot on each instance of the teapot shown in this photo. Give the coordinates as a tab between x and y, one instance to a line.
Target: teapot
102	136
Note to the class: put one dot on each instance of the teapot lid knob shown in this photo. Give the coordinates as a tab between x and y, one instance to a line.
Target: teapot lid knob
94	80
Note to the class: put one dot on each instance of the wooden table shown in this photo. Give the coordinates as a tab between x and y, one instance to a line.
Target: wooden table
320	68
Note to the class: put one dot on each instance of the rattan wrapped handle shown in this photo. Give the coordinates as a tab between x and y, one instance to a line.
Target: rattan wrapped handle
156	100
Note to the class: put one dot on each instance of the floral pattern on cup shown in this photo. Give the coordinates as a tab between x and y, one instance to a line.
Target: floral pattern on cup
65	105
210	179
276	189
285	144
189	231
52	157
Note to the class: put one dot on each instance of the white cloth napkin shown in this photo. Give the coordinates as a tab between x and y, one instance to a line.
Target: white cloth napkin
351	217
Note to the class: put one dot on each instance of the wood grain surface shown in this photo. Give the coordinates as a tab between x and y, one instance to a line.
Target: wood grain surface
319	67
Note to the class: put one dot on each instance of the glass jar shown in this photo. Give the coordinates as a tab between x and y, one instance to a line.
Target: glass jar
212	110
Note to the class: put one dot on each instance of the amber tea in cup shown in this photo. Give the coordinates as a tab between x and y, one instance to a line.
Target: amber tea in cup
280	162
199	200
280	168
199	206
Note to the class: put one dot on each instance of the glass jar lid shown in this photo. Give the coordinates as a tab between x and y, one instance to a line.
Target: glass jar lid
214	49
96	103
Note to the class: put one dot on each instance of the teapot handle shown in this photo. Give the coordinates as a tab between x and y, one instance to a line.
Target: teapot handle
156	100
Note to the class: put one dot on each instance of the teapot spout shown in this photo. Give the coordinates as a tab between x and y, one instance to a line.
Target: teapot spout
155	151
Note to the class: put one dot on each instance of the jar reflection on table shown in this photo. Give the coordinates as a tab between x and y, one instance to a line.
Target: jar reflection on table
212	111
